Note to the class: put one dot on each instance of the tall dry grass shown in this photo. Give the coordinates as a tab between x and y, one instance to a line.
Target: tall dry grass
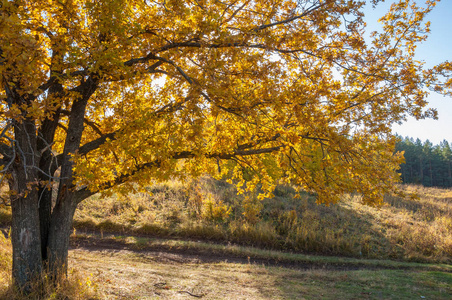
416	230
75	286
5	261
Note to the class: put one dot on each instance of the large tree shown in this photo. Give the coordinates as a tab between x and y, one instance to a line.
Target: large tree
97	95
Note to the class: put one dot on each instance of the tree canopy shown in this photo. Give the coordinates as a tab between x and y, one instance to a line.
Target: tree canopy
107	94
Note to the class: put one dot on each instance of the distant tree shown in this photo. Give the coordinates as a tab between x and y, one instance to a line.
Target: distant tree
407	168
419	150
424	163
438	167
446	153
427	154
101	95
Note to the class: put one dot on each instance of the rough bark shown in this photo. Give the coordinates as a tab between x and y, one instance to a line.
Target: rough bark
66	202
48	165
40	233
45	210
26	241
58	238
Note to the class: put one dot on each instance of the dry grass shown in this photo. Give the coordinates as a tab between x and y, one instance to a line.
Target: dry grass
403	229
130	275
76	286
5	260
127	274
414	230
417	229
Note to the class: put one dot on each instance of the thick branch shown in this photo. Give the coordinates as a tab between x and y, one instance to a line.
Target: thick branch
95	144
85	192
74	134
91	124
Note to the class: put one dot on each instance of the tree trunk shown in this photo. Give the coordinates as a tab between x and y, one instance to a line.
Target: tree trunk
45	210
26	242
40	234
25	232
63	212
58	239
49	166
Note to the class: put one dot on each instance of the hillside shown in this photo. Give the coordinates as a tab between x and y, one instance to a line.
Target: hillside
158	244
411	229
418	229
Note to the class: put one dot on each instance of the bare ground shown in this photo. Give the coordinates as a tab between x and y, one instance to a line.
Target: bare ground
185	254
123	270
127	267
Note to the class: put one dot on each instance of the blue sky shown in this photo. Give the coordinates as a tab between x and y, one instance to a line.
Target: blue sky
436	49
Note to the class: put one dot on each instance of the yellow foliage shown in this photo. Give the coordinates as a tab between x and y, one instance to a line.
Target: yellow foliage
215	210
98	96
208	82
251	209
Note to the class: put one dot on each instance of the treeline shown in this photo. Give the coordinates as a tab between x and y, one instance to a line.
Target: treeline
425	163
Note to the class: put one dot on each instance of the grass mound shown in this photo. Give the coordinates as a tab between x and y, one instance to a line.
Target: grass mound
412	230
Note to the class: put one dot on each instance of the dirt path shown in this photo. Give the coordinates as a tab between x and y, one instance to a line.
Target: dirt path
130	267
190	255
94	241
121	270
186	254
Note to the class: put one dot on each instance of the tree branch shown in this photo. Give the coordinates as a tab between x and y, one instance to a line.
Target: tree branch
93	145
91	124
85	192
195	42
6	150
291	19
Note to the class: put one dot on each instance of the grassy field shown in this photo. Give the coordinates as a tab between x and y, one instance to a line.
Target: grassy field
157	244
124	267
413	230
138	276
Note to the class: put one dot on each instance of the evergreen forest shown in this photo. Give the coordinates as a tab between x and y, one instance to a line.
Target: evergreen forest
425	163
